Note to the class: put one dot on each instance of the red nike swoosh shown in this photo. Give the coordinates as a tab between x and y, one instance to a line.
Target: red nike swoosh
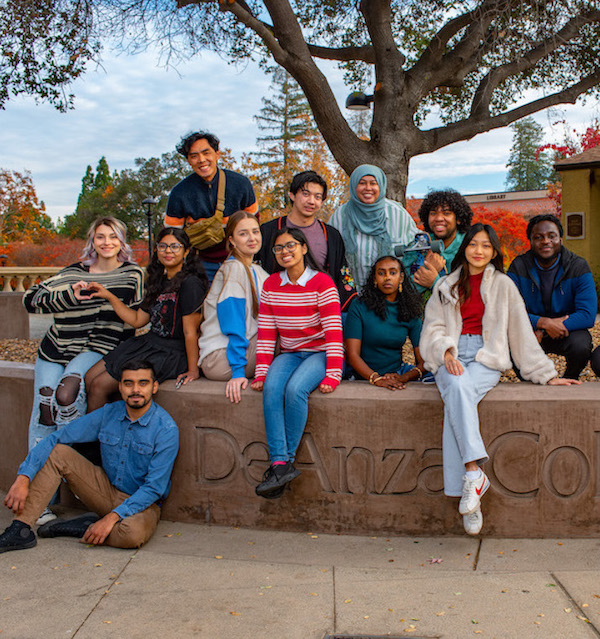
478	490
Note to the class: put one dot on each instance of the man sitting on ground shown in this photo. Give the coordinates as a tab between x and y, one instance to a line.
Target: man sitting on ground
139	442
559	293
446	216
308	191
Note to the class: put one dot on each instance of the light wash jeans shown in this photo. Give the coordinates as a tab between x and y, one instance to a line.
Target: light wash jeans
49	375
291	378
461	441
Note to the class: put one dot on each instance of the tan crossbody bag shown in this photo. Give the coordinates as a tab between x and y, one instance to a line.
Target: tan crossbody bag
209	231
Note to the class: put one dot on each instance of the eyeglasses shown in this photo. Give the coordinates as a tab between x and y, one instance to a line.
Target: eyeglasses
288	246
174	248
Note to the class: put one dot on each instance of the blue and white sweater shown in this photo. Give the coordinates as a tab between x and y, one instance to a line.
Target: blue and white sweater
228	321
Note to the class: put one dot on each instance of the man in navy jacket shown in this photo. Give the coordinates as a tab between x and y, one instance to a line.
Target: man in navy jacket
559	293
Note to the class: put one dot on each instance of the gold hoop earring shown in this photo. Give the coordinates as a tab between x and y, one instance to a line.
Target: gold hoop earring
400	287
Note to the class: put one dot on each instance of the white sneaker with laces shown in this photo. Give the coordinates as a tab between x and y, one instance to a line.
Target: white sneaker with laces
473	522
473	491
45	517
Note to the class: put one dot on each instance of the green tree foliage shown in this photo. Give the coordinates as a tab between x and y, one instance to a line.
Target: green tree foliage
286	119
103	178
123	195
44	45
528	170
467	62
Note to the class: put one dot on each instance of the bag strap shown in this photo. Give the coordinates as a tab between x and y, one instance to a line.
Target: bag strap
221	194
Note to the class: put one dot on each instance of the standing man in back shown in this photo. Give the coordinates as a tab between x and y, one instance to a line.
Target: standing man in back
308	191
203	201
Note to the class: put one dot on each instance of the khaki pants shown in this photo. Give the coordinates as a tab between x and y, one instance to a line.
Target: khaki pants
215	365
91	485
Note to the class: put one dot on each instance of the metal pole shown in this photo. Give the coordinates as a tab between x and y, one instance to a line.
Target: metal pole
149	201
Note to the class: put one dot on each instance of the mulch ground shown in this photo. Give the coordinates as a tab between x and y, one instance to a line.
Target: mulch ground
25	350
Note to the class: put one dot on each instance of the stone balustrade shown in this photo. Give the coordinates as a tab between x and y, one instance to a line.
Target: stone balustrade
24	275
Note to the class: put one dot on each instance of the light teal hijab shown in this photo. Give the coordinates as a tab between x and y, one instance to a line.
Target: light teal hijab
369	219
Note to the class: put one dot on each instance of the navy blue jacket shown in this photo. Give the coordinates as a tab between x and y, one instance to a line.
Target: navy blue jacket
574	292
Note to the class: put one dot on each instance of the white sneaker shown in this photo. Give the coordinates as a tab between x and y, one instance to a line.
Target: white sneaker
473	491
473	522
45	517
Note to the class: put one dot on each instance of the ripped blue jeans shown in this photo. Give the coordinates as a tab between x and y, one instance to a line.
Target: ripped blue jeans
58	394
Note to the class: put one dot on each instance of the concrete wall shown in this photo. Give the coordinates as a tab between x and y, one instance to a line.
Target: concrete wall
370	459
581	194
14	319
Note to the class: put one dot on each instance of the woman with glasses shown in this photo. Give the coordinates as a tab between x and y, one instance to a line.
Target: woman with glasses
228	340
175	289
300	307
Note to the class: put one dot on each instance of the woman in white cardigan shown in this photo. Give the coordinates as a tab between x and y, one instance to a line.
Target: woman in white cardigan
475	321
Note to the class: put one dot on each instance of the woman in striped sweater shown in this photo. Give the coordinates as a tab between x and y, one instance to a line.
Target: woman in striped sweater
84	329
299	305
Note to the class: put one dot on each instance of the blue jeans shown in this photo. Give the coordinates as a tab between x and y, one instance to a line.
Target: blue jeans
291	378
48	378
461	440
211	269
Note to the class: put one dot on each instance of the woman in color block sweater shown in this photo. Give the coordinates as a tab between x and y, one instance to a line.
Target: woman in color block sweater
300	306
228	339
475	321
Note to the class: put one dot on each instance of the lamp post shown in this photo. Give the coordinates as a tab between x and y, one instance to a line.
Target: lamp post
359	101
3	257
149	201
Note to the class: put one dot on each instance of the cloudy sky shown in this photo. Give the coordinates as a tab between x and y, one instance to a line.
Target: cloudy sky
131	107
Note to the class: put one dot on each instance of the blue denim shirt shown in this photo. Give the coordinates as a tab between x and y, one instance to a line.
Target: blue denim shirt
137	456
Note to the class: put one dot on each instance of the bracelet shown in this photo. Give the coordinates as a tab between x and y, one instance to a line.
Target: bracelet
375	377
419	371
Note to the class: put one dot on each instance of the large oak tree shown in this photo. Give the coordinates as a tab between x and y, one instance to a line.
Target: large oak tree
475	64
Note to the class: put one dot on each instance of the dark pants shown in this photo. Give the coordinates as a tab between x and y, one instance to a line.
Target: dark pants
576	348
595	361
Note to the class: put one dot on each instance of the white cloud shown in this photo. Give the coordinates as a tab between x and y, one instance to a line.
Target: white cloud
131	107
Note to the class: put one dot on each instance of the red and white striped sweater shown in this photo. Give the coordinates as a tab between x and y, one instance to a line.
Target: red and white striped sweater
306	317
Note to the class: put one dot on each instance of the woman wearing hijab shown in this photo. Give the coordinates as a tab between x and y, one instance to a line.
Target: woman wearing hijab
370	224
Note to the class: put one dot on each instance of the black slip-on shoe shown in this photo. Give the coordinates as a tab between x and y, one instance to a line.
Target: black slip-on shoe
75	527
18	536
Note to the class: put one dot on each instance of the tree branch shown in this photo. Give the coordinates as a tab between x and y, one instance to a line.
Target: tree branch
364	53
468	128
438	69
483	94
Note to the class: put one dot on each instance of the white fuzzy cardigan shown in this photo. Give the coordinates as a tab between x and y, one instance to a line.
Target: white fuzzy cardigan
506	329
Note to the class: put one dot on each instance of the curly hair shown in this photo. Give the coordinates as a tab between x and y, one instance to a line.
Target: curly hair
156	283
451	199
183	148
408	303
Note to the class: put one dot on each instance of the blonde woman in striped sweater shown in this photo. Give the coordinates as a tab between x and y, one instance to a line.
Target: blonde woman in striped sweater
299	305
84	329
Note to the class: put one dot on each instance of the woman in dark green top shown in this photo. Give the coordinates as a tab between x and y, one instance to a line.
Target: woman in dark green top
386	313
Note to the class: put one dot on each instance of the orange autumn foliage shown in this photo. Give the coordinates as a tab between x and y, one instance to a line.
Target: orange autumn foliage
23	217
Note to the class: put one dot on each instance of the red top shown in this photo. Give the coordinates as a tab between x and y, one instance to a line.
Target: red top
305	317
472	310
